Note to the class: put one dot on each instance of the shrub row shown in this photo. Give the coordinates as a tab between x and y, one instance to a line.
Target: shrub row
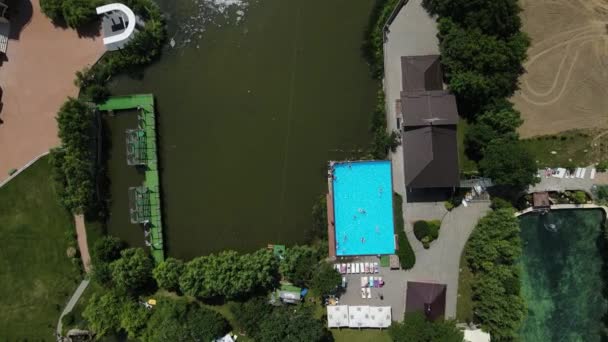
406	255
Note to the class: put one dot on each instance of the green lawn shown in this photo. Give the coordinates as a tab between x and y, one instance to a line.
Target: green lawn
36	276
572	145
464	304
466	164
364	335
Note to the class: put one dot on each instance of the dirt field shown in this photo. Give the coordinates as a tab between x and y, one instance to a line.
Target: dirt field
36	77
566	84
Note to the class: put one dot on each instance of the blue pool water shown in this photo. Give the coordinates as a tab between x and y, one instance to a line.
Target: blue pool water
363	208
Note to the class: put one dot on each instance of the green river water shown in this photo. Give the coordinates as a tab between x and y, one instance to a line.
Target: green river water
562	276
252	102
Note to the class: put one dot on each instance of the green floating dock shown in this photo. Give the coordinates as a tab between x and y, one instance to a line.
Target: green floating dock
142	150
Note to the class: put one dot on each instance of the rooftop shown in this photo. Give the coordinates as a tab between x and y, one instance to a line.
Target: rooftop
428	298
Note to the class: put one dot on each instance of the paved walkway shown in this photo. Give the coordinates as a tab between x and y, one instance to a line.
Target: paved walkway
36	79
70	305
83	245
412	33
561	184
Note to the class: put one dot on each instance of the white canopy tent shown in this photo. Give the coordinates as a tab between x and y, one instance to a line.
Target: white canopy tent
380	316
358	316
337	316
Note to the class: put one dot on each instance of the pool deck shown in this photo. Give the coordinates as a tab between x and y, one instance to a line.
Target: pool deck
145	103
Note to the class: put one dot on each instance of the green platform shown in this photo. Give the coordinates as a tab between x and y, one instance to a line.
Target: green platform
147	122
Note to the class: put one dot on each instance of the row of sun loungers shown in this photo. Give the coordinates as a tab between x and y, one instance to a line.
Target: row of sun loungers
560	172
366	292
372	282
358	267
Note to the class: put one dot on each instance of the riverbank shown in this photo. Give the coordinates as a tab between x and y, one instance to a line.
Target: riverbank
35	80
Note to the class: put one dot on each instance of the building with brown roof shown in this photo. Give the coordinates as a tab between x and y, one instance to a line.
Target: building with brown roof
428	298
429	120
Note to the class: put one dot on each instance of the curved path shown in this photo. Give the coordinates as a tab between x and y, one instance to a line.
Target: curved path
70	305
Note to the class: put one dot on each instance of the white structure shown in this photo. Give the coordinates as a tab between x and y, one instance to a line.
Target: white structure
337	316
476	335
358	316
130	22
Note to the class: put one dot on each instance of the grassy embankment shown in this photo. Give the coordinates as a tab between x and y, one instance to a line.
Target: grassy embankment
572	147
36	276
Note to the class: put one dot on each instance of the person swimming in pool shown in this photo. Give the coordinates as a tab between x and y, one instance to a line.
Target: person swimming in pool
363	240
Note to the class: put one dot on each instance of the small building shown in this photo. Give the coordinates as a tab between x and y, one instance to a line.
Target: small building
119	25
429	119
428	298
358	317
337	316
541	201
287	294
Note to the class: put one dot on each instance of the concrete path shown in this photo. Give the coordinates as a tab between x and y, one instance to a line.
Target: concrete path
68	308
83	245
441	262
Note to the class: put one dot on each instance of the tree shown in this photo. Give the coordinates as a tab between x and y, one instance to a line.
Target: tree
107	249
479	67
52	9
178	320
299	264
493	17
228	274
133	318
319	219
292	324
490	126
78	13
416	328
509	163
326	279
133	271
249	314
167	274
103	313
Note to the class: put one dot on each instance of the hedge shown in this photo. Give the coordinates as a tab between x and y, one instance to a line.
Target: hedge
406	255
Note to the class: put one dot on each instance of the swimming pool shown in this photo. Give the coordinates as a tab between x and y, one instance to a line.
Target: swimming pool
363	208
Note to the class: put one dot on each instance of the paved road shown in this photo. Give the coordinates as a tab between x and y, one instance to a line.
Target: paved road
83	245
75	297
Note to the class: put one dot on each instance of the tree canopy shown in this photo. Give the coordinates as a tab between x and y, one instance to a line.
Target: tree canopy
490	126
178	320
168	272
479	67
508	163
299	265
73	13
326	279
103	313
416	328
107	249
492	253
493	17
292	325
133	271
228	274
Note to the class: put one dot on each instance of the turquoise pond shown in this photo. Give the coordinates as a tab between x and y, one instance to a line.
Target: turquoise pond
363	208
562	275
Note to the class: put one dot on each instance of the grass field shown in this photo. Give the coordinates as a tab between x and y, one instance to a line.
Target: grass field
36	276
364	335
464	304
466	164
572	147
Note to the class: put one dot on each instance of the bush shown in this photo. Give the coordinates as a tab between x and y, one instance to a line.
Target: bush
499	203
406	255
448	205
602	166
374	36
421	229
579	197
68	319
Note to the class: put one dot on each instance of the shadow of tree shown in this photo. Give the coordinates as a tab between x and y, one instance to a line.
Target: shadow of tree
20	14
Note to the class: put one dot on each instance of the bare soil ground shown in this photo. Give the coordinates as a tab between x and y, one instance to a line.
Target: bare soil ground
566	84
36	78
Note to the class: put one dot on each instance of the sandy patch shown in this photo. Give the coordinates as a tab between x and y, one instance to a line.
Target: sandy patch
566	84
36	79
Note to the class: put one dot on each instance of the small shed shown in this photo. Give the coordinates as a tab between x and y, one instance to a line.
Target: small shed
541	200
337	316
428	298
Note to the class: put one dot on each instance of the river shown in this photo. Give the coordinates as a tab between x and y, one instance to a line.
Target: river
252	100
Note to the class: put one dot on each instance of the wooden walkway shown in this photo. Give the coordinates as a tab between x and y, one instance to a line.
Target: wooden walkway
81	233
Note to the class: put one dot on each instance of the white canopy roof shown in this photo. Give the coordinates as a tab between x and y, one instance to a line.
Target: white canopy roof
358	316
380	316
337	316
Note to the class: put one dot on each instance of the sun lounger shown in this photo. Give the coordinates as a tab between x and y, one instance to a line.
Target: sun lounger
362	266
364	282
337	267
363	293
343	268
376	268
380	281
583	171
577	173
367	267
464	202
592	175
357	270
376	282
349	268
369	292
371	281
